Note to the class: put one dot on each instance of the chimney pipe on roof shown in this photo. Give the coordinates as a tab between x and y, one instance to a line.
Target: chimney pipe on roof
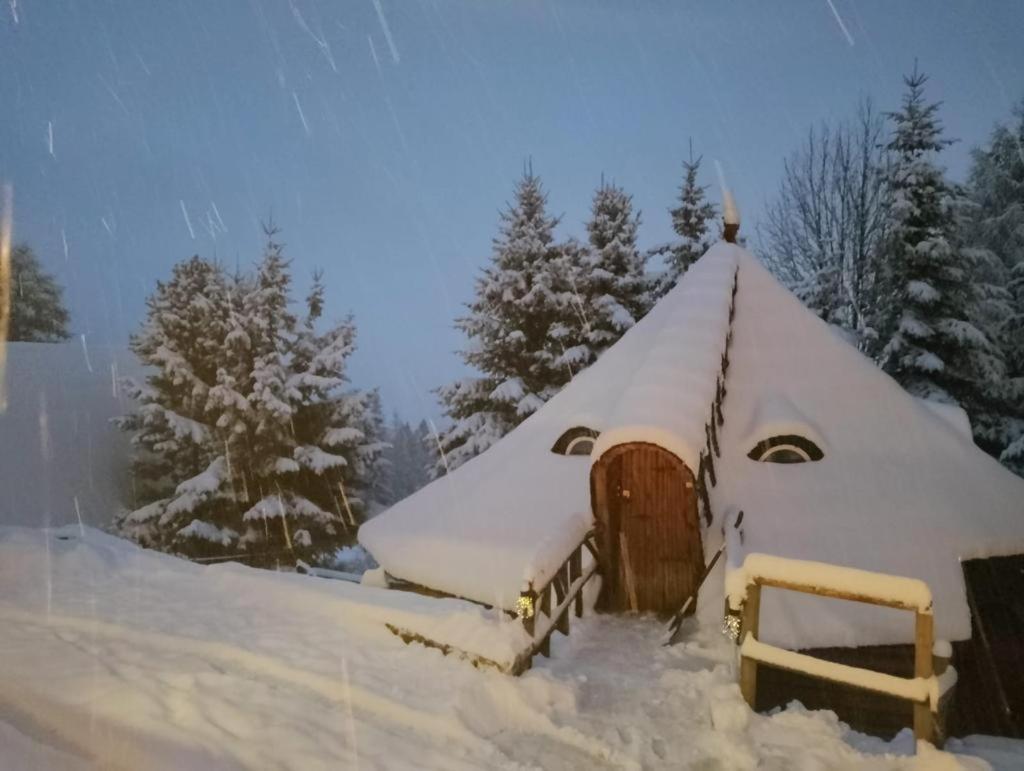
731	217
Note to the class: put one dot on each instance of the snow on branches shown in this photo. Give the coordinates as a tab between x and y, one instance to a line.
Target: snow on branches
932	282
543	311
693	221
247	437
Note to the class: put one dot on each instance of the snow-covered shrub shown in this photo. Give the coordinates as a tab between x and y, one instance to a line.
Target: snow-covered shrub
352	559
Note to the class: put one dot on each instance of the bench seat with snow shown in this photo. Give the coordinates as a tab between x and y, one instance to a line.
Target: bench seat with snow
729	396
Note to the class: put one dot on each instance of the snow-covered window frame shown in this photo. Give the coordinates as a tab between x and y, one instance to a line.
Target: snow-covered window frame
578	440
787	448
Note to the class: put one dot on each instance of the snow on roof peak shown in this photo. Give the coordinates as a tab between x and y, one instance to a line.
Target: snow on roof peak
486	529
668	399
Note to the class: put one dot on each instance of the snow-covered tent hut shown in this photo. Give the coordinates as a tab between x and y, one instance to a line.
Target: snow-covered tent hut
729	395
62	459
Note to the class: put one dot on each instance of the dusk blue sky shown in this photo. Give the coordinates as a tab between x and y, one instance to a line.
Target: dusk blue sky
384	135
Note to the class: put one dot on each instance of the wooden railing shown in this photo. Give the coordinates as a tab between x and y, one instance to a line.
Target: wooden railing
552	600
712	448
923	690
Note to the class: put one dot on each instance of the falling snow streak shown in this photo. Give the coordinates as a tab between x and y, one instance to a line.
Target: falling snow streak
440	448
216	213
6	218
115	95
320	40
14	11
49	137
45	441
387	31
398	125
373	53
78	513
85	352
839	21
302	115
188	222
387	99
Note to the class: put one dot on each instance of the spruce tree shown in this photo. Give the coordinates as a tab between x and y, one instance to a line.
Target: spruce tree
1013	327
409	456
37	308
248	436
928	342
517	303
180	341
603	283
378	479
997	188
1012	335
996	224
691	220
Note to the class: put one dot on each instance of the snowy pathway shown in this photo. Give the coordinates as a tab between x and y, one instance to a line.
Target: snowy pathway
116	658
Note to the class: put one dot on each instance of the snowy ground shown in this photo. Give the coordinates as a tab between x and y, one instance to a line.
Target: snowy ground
113	657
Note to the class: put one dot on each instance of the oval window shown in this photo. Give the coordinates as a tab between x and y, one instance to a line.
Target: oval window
581	445
786	449
575	441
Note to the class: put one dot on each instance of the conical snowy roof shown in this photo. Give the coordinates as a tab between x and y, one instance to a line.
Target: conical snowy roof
511	515
898	489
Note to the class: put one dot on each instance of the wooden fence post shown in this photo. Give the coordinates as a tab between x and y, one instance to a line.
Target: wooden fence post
545	608
750	624
923	642
575	571
562	625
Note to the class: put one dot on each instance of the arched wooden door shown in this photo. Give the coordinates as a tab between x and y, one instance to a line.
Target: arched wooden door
649	534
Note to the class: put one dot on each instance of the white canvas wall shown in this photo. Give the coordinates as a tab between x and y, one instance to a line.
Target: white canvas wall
57	442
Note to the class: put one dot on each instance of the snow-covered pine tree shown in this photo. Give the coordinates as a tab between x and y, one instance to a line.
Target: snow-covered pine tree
1012	335
516	305
267	453
37	309
603	283
410	457
334	434
1013	327
928	341
997	188
995	220
996	225
378	478
180	342
422	449
691	220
